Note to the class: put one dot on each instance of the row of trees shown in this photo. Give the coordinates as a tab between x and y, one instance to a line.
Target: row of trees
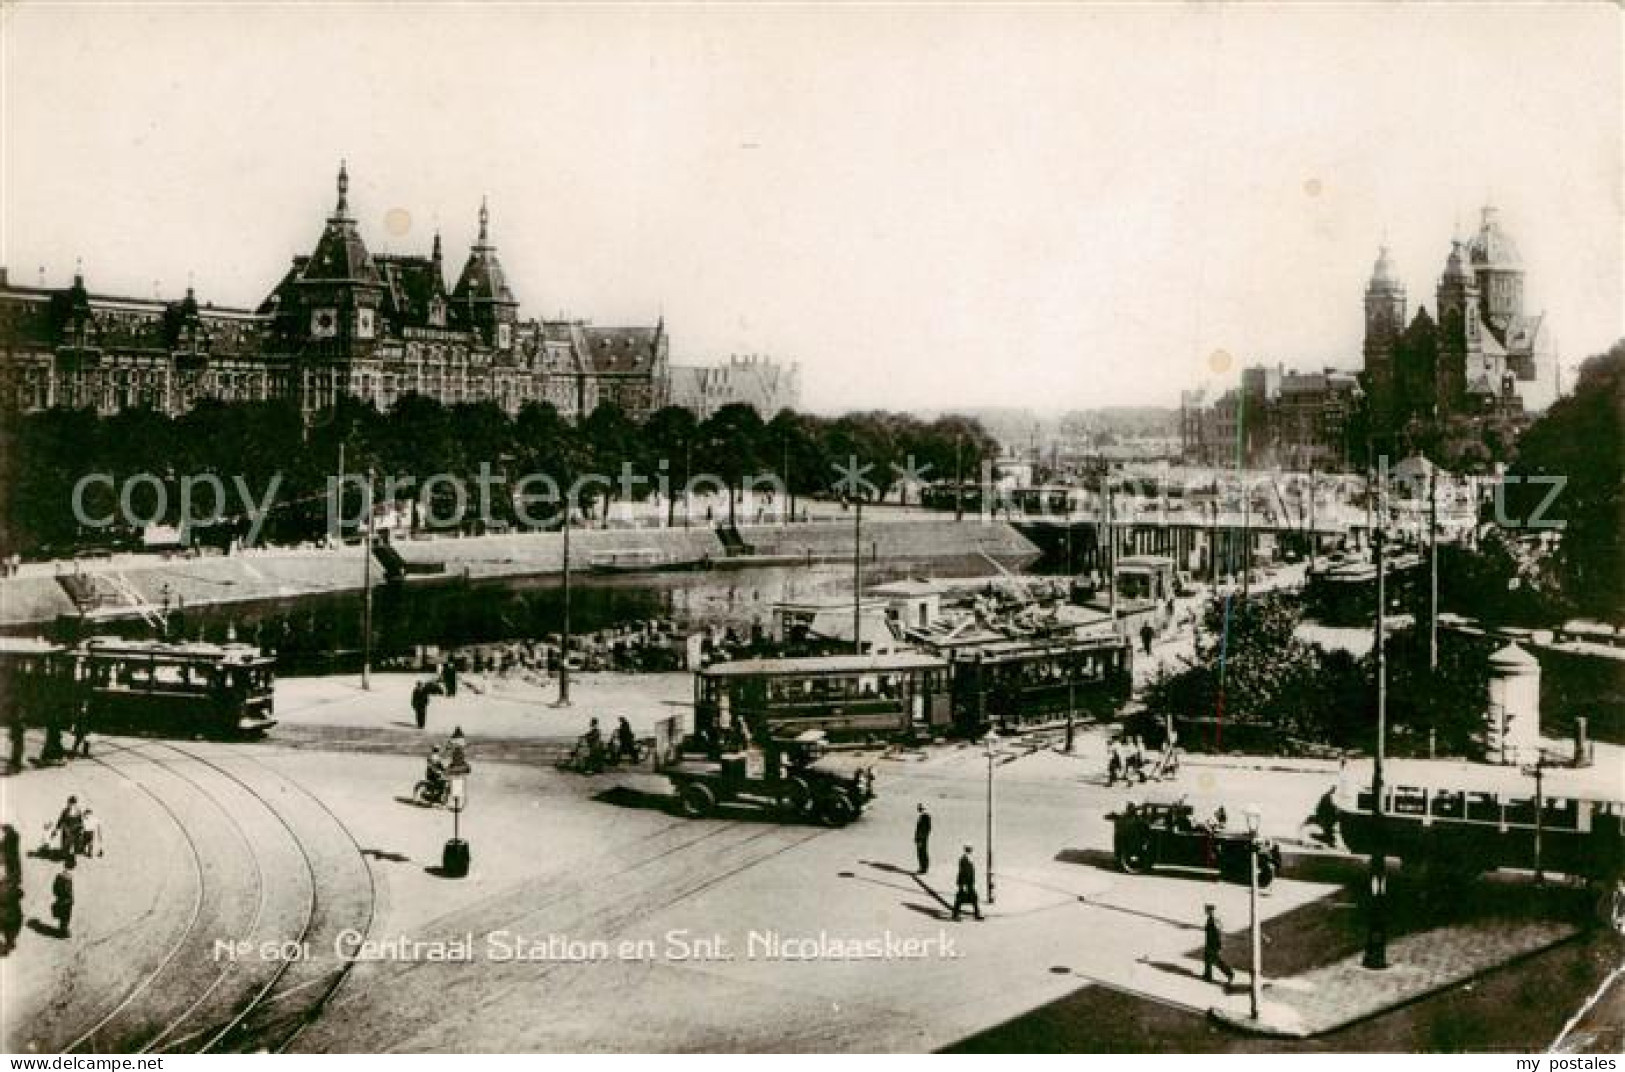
44	456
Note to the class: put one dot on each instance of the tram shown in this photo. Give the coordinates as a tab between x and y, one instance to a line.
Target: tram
848	697
1460	819
139	686
1019	683
962	690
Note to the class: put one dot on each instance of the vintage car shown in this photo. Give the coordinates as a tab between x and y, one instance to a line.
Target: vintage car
1166	834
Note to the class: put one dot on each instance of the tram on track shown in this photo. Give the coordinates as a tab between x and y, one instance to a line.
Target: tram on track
848	697
139	686
1011	684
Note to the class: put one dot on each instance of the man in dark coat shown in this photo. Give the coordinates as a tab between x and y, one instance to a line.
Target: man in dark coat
11	911
420	703
62	898
922	840
965	894
1213	949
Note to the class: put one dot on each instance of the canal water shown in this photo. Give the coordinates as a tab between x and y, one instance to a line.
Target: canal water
321	633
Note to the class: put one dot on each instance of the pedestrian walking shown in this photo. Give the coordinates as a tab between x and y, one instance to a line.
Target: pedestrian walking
69	826
420	704
81	731
11	911
18	743
62	898
922	839
965	891
448	677
11	854
1114	761
1213	948
1146	635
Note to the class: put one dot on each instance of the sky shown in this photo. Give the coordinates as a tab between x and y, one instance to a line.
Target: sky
1054	207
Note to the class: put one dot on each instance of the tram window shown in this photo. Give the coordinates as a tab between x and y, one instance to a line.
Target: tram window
1560	815
1521	812
1363	802
1409	800
1449	804
1483	808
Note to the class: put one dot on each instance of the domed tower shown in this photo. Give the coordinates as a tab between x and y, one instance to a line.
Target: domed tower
482	301
1461	343
1498	270
1384	321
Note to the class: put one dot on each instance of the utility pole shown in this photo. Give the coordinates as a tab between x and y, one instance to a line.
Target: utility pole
564	645
857	576
1246	537
1314	539
1376	943
1433	569
1111	549
959	479
366	593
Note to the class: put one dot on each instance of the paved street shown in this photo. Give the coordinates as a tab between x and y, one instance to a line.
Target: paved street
591	900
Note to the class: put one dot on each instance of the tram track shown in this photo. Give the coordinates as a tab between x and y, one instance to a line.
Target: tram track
402	998
226	818
193	916
179	989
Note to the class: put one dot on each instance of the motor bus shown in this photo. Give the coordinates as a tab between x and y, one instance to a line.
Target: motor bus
1460	819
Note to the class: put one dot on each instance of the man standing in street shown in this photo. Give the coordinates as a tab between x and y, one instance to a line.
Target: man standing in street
965	894
62	898
1212	949
922	840
420	703
1147	634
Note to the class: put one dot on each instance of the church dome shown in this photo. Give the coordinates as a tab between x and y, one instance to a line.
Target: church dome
1382	275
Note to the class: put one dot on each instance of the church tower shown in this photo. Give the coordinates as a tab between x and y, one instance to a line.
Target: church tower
1461	337
1498	270
482	302
1384	320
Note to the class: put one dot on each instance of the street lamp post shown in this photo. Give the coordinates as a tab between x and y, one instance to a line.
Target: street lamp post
454	860
1253	818
992	742
366	592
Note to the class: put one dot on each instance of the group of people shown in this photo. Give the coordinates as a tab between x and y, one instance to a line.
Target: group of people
52	753
595	753
1125	761
77	832
964	878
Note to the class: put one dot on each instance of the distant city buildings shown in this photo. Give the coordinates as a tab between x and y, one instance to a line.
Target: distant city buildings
758	382
1298	420
344	322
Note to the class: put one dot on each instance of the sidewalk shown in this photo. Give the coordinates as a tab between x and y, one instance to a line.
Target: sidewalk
1419	964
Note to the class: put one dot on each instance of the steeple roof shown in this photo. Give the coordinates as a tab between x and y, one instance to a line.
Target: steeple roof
340	255
483	279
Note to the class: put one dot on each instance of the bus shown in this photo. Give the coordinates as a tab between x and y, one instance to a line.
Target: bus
140	686
898	695
1458	818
